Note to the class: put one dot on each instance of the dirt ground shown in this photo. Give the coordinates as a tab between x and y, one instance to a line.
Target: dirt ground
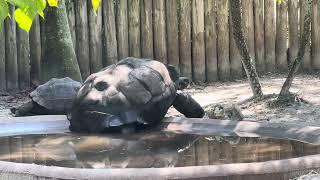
306	86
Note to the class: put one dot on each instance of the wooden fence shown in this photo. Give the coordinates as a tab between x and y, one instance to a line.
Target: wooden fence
193	35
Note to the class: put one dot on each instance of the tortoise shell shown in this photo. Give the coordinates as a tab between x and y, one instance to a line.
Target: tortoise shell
56	94
140	85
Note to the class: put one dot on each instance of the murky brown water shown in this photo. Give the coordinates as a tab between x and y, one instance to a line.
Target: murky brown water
146	150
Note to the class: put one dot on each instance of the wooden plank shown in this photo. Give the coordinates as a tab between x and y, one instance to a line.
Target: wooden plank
134	28
172	33
198	46
23	51
248	25
159	31
281	37
111	52
146	29
259	35
210	41
269	36
306	62
95	38
315	42
185	38
2	60
42	36
82	38
293	17
122	29
35	51
11	53
223	40
236	69
72	22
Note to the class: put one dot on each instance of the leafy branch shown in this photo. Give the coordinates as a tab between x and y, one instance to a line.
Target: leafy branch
27	10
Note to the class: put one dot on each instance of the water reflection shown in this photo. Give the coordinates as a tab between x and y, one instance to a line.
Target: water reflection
140	150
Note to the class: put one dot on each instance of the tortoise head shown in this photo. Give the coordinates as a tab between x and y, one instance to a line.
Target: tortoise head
181	82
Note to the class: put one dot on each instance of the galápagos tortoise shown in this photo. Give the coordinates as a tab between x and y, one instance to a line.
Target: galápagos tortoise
54	97
130	92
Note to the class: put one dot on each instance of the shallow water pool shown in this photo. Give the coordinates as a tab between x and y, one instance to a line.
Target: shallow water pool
145	150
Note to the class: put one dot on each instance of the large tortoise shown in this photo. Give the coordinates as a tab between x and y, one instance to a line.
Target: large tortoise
132	91
54	97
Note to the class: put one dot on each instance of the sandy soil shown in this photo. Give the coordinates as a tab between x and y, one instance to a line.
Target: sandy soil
306	86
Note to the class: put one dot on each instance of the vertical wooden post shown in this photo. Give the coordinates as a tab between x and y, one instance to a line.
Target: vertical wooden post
95	38
210	41
72	22
259	35
159	31
293	13
35	51
236	69
11	53
223	40
315	42
248	25
134	28
281	37
185	38
269	36
2	60
172	33
23	51
110	32
42	37
82	38
122	29
146	29
306	62
198	47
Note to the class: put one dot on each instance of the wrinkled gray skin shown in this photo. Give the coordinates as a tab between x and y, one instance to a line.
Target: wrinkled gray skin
130	92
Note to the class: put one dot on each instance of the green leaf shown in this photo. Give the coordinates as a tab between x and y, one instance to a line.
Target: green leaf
280	1
53	3
23	19
95	5
4	10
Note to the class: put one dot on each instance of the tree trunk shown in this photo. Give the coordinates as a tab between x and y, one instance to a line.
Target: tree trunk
59	58
303	43
247	61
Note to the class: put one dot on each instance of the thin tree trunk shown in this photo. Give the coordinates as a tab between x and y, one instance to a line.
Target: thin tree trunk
59	58
247	61
303	43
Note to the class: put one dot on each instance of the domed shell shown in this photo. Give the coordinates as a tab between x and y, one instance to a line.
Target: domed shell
56	94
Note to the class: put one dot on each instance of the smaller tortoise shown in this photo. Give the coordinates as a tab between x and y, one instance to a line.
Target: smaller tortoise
54	97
